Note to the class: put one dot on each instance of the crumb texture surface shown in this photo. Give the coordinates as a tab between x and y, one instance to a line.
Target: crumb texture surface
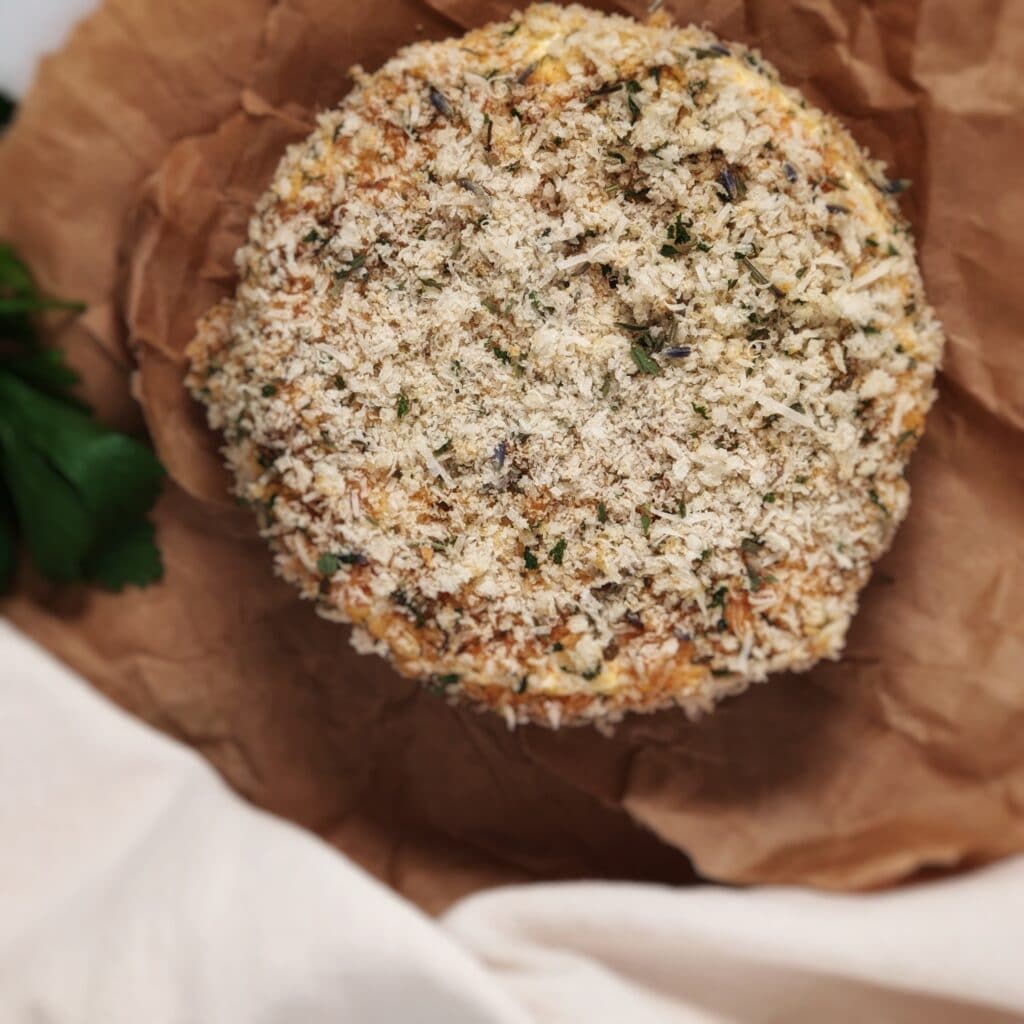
577	363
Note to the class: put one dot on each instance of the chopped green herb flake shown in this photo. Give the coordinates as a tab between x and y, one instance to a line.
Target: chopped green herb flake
530	560
644	363
769	498
402	407
701	411
602	512
328	565
350	268
557	553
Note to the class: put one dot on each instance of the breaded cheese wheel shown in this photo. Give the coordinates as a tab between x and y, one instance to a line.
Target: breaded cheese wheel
576	363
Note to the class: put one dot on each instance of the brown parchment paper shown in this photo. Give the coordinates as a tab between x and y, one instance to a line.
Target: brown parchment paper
127	181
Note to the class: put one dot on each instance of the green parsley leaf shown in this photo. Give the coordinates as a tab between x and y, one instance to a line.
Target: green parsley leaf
76	487
7	108
74	491
402	406
602	512
701	410
557	553
8	538
130	558
530	559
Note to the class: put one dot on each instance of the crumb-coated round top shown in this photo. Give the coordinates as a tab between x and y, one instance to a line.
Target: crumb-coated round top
576	362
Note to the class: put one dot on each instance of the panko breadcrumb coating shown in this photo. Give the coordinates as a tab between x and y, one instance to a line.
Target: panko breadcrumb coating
576	363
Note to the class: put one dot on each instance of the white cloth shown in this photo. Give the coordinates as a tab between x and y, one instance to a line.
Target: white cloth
134	886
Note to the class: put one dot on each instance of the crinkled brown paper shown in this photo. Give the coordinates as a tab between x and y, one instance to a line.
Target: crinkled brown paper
127	180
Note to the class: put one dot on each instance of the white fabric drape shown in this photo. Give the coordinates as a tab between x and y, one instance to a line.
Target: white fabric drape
134	886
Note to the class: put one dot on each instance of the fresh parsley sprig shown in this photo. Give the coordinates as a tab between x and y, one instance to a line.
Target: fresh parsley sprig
72	491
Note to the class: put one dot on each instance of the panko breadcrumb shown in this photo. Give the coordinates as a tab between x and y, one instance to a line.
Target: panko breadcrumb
576	363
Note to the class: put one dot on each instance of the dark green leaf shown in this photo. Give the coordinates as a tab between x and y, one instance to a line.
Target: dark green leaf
8	540
46	370
78	491
56	523
116	476
7	108
128	557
